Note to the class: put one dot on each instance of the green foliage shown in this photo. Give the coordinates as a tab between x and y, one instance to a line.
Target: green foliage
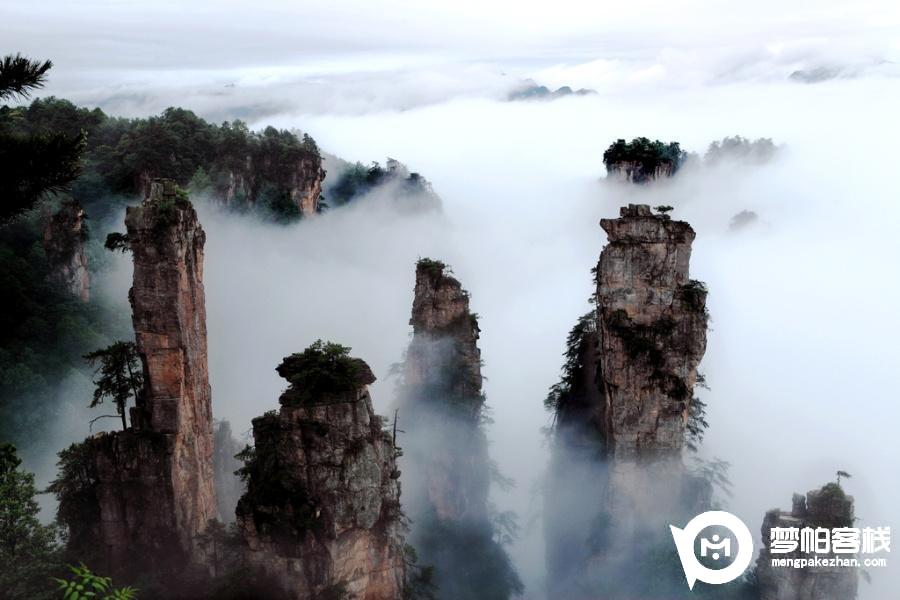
640	340
75	492
44	332
83	584
458	547
117	242
356	180
119	376
738	148
19	76
715	472
505	525
696	424
648	154
122	154
32	167
324	372
693	294
29	551
419	584
434	269
279	204
275	497
32	164
561	391
833	492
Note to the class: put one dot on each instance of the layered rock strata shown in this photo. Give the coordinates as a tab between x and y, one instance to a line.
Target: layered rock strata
321	515
446	451
153	483
623	410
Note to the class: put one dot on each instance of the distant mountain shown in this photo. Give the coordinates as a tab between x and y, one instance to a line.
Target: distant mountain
533	91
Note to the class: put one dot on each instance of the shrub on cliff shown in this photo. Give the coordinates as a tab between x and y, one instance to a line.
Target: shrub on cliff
323	372
562	391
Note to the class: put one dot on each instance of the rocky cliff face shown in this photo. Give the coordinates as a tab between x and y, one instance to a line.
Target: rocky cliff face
623	407
297	173
154	482
447	462
306	183
64	235
442	376
321	514
300	176
652	331
827	507
634	172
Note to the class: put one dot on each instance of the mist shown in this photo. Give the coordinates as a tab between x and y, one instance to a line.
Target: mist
801	356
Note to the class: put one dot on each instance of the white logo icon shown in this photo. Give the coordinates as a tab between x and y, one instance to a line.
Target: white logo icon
717	546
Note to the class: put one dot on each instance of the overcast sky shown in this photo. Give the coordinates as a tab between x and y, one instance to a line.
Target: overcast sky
239	59
802	357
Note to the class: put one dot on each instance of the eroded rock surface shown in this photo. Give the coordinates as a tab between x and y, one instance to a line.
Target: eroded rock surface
445	448
652	323
827	507
64	235
623	407
153	483
634	172
321	514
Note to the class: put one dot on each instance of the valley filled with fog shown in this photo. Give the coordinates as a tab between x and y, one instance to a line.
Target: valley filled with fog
802	355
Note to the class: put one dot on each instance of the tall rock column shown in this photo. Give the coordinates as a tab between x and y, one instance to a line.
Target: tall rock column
447	466
64	234
321	515
146	493
617	477
652	323
169	315
306	183
828	507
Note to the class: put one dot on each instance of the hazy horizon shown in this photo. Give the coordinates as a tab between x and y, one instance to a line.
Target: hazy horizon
802	356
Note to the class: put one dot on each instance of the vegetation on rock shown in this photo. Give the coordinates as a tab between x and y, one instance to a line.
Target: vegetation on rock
650	155
572	367
119	375
323	372
356	180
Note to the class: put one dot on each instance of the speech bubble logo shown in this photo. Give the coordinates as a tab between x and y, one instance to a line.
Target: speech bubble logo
693	569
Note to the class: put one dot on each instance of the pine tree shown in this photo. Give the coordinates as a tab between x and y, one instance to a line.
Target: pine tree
29	551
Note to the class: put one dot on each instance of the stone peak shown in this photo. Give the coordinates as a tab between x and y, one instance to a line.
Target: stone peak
161	188
323	373
440	304
637	223
636	210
